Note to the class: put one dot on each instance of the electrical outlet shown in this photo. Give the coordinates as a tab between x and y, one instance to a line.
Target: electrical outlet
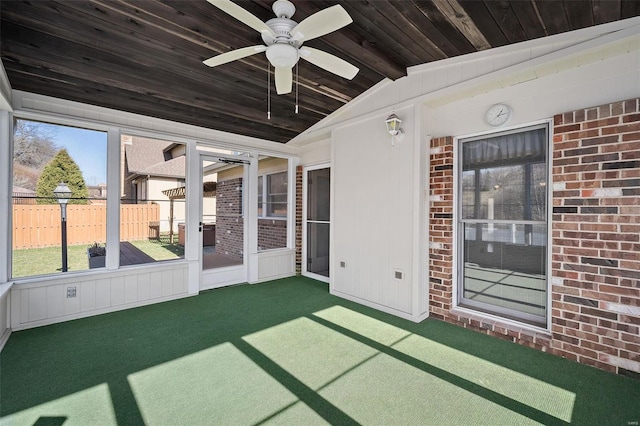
71	292
343	264
398	274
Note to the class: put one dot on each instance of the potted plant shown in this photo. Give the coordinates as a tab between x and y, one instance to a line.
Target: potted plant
96	254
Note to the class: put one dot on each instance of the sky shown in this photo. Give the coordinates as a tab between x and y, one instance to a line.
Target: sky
88	148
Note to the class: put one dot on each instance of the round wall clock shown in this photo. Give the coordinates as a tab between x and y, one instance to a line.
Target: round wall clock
497	115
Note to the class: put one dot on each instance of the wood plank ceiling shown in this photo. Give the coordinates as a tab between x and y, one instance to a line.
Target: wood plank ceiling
145	56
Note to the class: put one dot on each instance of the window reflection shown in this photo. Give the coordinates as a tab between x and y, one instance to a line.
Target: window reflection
503	223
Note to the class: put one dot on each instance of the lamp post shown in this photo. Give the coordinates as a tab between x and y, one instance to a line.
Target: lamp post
63	193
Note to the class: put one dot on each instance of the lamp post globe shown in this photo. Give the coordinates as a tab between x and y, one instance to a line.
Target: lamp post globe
62	194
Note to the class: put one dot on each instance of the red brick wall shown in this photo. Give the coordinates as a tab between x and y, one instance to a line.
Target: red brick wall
596	236
272	233
596	241
441	227
229	223
299	220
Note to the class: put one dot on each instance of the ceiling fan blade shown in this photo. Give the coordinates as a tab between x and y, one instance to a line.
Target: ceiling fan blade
329	62
242	15
284	80
223	58
321	23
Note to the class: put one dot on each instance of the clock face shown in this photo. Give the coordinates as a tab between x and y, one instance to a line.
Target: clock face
497	115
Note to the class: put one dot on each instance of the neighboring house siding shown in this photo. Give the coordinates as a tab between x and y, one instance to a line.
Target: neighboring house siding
596	241
155	186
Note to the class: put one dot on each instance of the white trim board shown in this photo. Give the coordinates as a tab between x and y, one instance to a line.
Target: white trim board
139	124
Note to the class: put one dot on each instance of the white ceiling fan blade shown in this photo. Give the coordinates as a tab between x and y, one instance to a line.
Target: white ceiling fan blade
242	15
284	80
329	62
321	23
234	55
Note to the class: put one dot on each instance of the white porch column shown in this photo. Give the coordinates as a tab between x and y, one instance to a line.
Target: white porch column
250	183
5	195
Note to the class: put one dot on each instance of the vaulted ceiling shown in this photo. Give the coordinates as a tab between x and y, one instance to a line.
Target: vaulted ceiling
145	56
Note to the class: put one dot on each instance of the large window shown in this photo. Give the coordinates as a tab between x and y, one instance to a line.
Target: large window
272	203
503	223
152	200
52	235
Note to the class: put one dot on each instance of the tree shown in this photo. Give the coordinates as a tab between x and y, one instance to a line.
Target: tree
33	147
61	168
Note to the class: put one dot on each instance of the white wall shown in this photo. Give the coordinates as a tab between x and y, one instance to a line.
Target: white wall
316	153
46	302
373	193
593	84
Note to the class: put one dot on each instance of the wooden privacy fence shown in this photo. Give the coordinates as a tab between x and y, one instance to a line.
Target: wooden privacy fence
36	226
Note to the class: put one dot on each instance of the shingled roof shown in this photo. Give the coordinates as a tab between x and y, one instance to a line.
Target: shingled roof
146	157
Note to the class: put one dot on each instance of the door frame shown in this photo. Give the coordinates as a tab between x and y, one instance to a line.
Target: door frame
227	275
305	175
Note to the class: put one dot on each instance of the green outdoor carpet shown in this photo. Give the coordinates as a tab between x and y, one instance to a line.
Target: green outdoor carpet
287	352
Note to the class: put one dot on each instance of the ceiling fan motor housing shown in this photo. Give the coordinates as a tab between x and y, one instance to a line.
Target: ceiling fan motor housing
282	28
282	50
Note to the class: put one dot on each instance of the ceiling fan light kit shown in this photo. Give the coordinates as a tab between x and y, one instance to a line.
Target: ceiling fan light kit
282	55
283	40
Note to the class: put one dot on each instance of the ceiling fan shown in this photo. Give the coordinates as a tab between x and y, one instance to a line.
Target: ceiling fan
284	37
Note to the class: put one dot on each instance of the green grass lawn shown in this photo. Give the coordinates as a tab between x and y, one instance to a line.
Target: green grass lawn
48	260
159	249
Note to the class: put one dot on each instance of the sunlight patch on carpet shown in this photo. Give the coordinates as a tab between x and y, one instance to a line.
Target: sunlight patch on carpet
91	406
528	390
387	391
311	352
363	325
219	384
535	393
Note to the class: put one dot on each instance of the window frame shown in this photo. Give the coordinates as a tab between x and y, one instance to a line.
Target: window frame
459	223
54	121
263	196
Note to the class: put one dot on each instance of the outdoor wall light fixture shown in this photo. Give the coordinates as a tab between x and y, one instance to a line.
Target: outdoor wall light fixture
63	193
393	127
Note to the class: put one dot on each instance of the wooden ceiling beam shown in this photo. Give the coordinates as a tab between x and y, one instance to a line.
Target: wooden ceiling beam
507	20
444	33
457	15
553	15
529	19
484	21
406	32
